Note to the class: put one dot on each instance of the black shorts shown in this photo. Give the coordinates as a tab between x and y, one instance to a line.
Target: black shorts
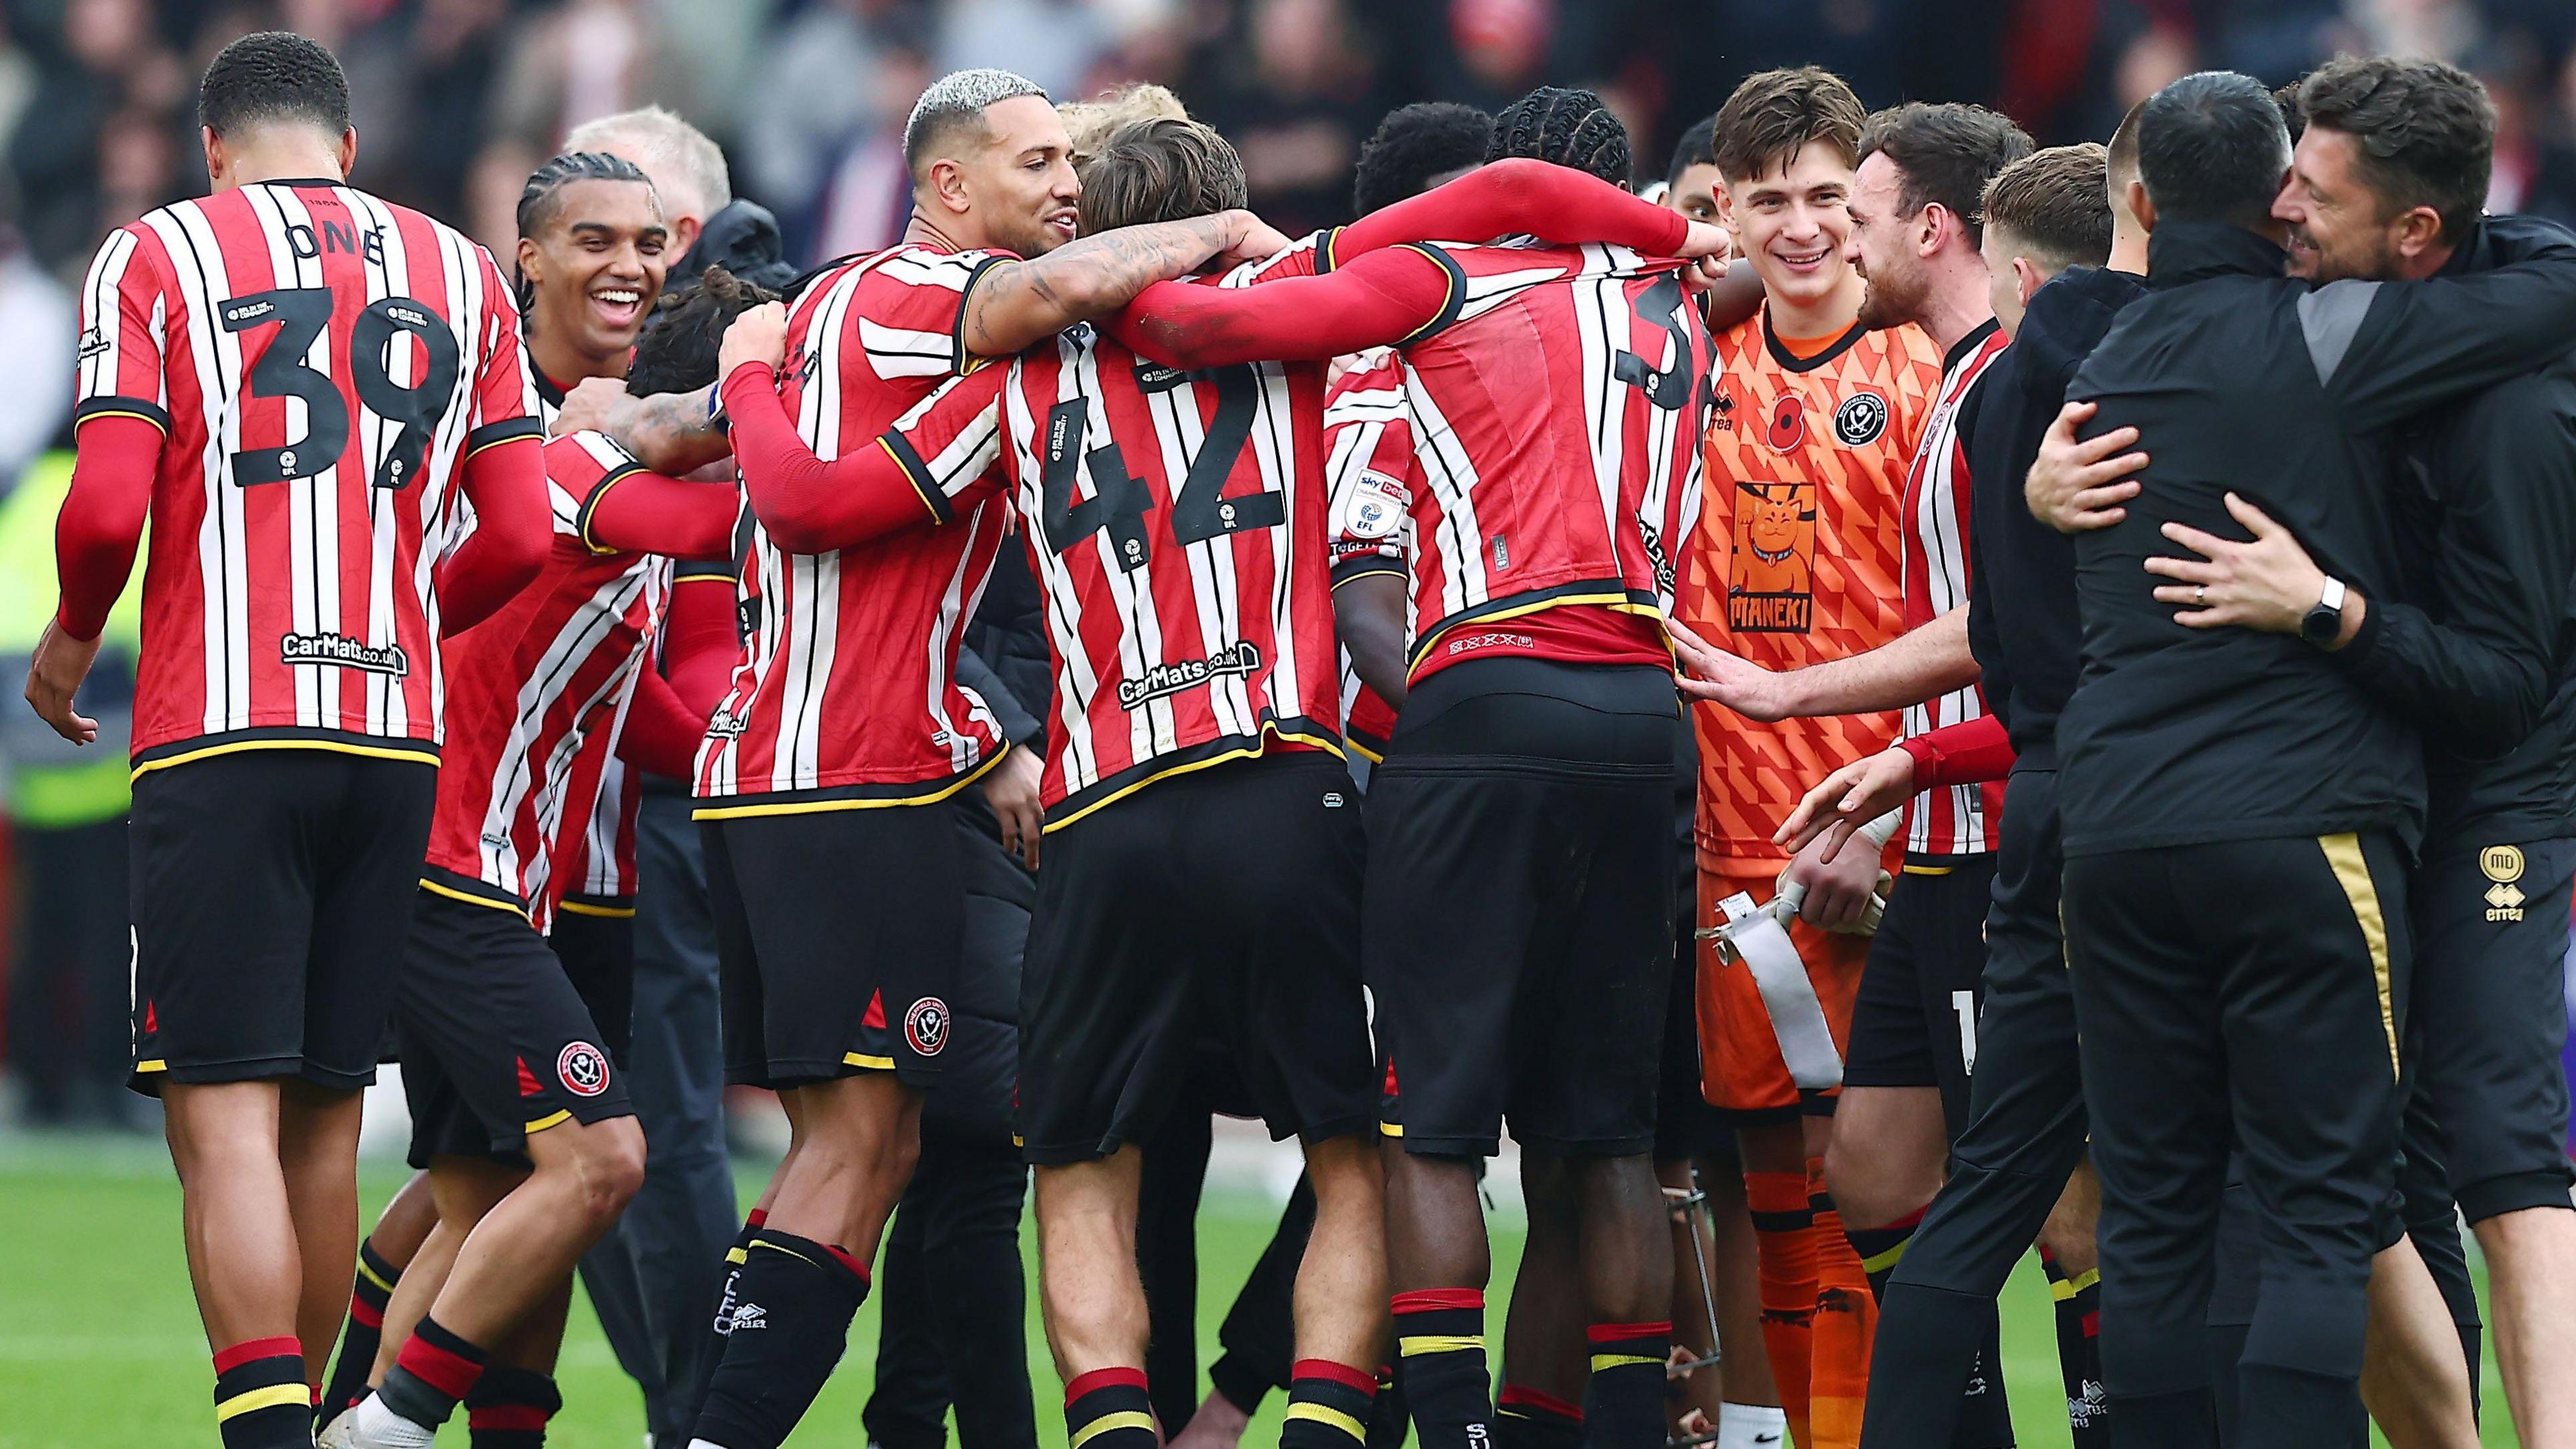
1218	907
1686	1124
492	1033
2490	1007
1914	1021
272	889
594	938
838	933
1518	915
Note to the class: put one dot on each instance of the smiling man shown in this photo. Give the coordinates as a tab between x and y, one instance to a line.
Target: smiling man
593	247
1796	561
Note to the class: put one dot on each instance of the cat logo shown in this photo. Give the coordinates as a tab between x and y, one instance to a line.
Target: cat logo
1788	427
1770	587
2503	865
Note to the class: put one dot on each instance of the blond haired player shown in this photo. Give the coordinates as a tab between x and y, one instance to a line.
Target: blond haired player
1797	559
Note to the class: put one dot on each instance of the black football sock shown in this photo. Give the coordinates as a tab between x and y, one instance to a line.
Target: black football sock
261	1399
1881	1249
508	1408
359	1340
1528	1418
2079	1351
1440	1361
720	1324
435	1370
790	1321
1389	1420
1624	1406
1108	1409
1328	1406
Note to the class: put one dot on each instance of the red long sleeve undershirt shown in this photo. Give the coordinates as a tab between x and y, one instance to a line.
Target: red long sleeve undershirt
648	513
1970	752
513	530
806	504
1519	197
701	642
661	734
1374	300
101	524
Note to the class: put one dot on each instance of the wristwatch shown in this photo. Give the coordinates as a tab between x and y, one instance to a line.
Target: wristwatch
2320	625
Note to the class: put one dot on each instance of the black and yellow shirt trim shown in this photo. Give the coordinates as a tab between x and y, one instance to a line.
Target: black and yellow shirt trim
843	797
590	503
233	742
505	431
917	473
456	886
122	407
1453	304
1607	593
1104	793
960	360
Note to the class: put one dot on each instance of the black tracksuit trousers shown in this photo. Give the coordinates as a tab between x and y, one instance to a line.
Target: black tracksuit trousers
2250	992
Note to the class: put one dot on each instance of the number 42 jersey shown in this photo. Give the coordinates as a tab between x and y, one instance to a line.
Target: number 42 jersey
320	363
1176	521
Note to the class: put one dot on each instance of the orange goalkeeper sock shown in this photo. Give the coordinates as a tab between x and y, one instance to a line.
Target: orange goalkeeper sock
1846	1318
1784	1242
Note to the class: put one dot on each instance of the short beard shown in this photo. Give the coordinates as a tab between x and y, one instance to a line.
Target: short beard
1882	306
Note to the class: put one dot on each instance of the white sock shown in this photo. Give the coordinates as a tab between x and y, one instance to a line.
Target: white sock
1752	1426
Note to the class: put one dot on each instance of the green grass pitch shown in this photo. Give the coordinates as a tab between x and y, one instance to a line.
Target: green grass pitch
99	1343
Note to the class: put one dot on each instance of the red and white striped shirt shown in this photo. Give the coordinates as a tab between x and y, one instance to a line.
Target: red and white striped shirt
1541	452
1948	819
847	693
1176	521
321	362
536	694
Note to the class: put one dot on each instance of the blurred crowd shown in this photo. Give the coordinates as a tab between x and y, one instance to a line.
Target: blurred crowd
458	99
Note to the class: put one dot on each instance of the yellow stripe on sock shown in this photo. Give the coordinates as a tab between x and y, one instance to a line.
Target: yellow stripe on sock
737	1256
1601	1361
372	1276
1331	1418
2065	1288
1438	1343
782	1248
267	1398
1881	1262
1123	1419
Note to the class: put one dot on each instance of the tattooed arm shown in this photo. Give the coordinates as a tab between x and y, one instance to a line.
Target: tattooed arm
669	432
1018	304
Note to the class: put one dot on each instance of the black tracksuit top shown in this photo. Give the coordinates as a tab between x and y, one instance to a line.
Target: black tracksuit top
2242	379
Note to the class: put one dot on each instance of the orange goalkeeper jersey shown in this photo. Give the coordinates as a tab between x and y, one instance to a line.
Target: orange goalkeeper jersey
1799	554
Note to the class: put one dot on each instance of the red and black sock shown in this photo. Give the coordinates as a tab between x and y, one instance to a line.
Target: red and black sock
1528	1418
509	1407
1108	1409
1625	1404
261	1399
359	1340
433	1373
1328	1406
1440	1359
789	1322
1389	1420
2079	1350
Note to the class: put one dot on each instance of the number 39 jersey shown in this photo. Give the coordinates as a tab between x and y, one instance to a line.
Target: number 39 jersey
322	363
1552	435
1176	521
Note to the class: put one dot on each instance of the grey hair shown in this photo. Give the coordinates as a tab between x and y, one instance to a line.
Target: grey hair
957	96
677	155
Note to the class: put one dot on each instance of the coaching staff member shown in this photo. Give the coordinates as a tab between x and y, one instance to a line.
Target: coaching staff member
2236	810
2387	183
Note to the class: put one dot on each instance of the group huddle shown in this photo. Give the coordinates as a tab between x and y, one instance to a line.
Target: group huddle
1977	717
